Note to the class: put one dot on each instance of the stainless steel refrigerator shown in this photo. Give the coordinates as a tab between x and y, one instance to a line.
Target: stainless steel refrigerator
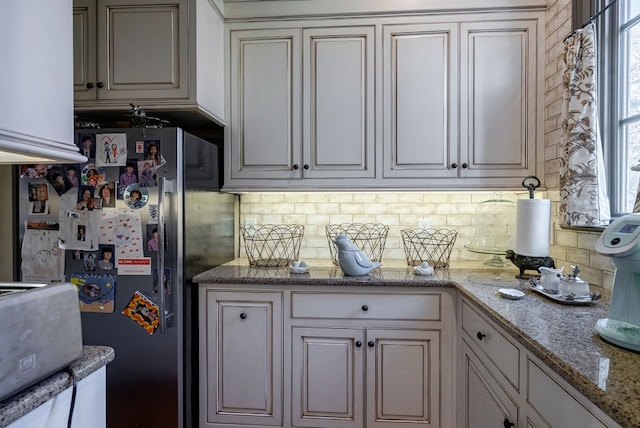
153	380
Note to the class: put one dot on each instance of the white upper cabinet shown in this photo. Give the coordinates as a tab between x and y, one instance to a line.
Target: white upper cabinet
438	101
420	100
338	102
148	52
287	125
265	104
500	114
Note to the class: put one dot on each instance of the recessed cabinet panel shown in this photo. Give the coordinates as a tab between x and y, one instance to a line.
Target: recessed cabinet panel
420	97
265	105
142	49
499	115
494	344
243	358
327	377
486	403
555	402
404	367
84	52
338	79
159	67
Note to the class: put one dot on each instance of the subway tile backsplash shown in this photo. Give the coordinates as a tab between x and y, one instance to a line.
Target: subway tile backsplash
406	210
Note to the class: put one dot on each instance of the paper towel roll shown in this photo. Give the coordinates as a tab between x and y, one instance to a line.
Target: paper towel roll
533	218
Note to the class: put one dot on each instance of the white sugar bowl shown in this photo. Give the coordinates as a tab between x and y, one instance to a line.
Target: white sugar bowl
572	284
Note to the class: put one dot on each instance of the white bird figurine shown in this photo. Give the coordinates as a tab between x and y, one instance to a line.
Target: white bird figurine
351	259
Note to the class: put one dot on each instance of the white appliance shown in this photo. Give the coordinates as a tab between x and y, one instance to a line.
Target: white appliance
621	242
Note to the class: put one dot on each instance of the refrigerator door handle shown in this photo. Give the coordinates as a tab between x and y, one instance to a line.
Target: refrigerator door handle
164	186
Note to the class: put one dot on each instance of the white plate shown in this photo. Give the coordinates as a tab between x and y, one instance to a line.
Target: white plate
511	293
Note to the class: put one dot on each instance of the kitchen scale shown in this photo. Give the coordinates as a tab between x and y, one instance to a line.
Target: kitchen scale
621	242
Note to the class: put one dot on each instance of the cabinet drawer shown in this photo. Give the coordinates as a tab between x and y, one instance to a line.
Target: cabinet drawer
500	351
556	404
420	307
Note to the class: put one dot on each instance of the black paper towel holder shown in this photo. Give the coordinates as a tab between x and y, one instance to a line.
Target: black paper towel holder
529	262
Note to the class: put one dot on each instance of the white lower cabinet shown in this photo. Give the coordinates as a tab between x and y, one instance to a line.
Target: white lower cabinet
89	409
504	385
289	357
394	374
241	377
371	357
486	403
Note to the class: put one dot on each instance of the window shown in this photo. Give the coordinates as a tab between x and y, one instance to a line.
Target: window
618	29
626	149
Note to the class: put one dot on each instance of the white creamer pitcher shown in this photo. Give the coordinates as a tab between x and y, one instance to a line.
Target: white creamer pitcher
550	278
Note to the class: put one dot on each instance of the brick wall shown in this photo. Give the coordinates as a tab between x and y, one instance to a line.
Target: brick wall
569	247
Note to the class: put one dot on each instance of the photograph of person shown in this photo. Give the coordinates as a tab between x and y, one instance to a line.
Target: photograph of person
147	174
85	198
152	151
152	237
107	195
147	314
135	200
90	262
58	179
39	207
72	175
87	146
128	175
33	171
91	290
39	197
82	232
42	191
106	260
33	193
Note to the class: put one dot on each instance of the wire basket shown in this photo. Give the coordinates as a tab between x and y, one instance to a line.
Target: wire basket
369	237
428	245
272	245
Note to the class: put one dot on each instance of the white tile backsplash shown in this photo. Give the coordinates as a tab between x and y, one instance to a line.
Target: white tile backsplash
403	210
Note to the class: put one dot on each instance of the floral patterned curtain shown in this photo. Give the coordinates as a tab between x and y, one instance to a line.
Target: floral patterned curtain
583	197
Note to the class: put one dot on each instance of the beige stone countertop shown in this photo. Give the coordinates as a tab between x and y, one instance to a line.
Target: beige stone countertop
18	405
562	336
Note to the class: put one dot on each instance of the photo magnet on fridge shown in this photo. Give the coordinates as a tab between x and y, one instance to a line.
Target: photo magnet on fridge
95	291
144	311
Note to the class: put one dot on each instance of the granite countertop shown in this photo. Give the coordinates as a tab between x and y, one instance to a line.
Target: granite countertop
562	336
18	405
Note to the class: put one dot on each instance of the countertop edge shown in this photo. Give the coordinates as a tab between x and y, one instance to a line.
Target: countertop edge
92	359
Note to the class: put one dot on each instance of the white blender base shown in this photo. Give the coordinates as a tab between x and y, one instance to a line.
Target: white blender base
619	333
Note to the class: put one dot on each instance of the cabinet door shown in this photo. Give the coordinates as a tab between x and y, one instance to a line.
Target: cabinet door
486	404
420	100
403	378
84	50
327	377
265	104
142	49
339	102
242	378
500	111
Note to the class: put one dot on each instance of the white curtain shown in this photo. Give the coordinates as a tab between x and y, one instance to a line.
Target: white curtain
583	197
